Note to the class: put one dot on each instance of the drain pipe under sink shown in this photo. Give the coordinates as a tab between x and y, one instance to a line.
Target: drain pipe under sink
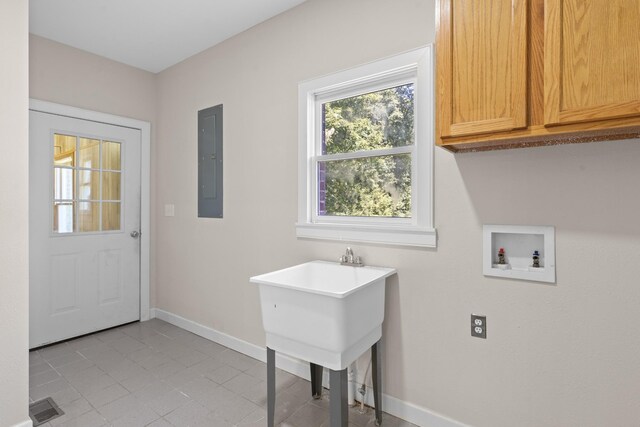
351	386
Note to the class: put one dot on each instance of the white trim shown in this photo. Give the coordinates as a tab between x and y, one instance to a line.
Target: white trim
415	66
407	411
27	423
361	85
407	149
145	178
415	414
376	234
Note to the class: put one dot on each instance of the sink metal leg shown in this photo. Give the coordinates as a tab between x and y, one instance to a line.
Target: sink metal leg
338	395
271	386
376	376
316	380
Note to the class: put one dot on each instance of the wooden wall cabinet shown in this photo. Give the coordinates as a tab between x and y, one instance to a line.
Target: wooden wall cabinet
519	73
484	66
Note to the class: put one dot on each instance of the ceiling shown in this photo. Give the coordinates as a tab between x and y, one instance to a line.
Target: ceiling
148	34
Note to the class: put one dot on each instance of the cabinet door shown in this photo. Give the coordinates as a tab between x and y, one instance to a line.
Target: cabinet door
591	60
481	66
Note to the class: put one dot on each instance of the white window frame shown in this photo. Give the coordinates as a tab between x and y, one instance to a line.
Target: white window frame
415	67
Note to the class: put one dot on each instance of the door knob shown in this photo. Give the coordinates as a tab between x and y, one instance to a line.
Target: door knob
135	234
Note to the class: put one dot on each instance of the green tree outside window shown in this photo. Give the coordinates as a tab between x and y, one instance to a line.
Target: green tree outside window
378	186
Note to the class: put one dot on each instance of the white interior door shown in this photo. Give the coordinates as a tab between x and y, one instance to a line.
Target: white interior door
84	256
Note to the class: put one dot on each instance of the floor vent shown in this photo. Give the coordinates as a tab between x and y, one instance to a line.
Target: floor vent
43	411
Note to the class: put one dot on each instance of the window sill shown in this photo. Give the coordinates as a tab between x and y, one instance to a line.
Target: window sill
389	235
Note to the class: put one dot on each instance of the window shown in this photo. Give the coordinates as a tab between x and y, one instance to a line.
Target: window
366	153
86	184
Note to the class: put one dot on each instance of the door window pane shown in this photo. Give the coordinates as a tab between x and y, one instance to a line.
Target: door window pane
110	185
62	183
63	213
64	150
89	153
88	216
111	155
88	185
110	216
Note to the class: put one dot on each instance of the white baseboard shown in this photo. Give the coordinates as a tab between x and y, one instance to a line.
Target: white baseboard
407	411
27	423
415	414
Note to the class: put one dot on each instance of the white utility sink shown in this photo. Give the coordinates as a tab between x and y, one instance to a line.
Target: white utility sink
323	312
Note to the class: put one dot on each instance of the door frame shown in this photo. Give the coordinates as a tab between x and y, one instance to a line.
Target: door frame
145	179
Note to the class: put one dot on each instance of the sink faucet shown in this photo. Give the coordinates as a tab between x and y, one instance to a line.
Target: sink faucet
349	259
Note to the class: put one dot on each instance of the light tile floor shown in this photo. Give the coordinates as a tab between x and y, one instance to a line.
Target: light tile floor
158	375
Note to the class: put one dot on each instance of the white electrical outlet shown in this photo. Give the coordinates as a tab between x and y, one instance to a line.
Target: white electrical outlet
169	210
